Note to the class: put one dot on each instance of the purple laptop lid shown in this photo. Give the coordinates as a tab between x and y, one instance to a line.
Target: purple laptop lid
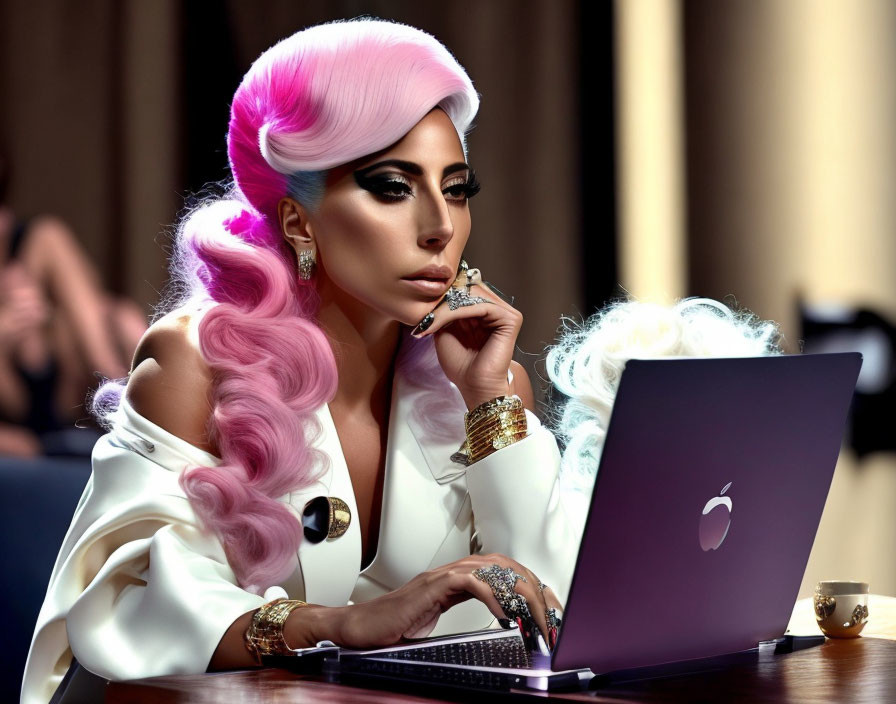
664	573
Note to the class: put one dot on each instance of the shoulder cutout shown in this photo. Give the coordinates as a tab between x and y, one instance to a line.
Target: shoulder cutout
170	381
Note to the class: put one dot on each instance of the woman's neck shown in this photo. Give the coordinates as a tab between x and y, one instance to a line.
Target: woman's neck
365	345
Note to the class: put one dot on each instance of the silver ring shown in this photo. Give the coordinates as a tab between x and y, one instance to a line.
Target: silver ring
474	276
502	581
552	618
459	298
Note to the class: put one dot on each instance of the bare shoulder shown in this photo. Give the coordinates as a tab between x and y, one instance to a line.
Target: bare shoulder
169	383
522	385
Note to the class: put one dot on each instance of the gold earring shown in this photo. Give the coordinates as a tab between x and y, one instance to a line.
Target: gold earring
307	264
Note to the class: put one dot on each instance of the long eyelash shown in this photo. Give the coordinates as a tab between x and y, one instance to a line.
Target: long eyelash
470	187
381	185
391	186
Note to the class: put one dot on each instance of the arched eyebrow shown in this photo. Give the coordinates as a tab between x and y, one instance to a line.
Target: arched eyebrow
411	168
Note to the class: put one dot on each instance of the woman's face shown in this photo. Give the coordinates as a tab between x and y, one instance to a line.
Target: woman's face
385	218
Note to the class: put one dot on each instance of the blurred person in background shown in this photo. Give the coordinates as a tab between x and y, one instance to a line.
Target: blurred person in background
58	328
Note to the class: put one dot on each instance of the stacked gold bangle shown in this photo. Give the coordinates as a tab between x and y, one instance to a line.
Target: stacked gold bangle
265	635
493	425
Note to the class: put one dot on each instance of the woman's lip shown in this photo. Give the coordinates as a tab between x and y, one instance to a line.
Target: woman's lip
429	286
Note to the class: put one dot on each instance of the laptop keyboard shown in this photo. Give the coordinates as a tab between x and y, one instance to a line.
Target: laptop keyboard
494	652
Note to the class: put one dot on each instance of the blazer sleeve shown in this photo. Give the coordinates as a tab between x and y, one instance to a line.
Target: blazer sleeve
138	588
518	509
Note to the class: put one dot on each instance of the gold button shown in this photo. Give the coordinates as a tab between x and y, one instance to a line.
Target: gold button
325	517
340	517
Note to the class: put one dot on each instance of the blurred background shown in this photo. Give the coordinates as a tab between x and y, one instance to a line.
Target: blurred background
743	150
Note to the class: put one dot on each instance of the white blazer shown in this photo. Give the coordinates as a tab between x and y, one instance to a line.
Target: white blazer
139	589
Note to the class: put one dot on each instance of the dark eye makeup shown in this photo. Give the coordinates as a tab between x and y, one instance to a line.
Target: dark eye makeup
392	188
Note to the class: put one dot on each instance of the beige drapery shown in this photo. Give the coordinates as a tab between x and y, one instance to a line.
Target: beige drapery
774	168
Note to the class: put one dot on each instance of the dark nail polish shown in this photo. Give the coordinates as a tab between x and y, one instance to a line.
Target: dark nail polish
424	324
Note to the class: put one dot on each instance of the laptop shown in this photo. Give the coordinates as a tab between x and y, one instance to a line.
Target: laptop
710	489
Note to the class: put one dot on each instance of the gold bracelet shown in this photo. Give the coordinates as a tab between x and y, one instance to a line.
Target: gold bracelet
490	408
483	449
496	442
495	414
498	412
265	634
488	431
494	424
497	425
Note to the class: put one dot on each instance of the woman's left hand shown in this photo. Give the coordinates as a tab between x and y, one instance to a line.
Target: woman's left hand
475	344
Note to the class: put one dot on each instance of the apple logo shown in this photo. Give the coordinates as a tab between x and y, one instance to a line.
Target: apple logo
715	520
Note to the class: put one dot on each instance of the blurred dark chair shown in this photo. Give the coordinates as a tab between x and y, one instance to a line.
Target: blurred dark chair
37	500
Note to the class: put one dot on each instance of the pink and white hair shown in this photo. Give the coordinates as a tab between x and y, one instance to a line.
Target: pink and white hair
323	97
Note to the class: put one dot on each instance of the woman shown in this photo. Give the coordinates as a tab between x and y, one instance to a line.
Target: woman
326	355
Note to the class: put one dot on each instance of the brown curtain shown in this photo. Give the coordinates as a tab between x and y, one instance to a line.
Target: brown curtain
91	114
89	100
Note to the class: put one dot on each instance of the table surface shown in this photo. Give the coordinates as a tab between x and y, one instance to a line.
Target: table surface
856	670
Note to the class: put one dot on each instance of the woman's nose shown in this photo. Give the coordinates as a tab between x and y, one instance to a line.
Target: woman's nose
436	226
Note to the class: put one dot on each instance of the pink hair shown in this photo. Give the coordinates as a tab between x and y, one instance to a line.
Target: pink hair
334	93
320	98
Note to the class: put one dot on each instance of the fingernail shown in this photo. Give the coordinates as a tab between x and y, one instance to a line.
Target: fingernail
423	325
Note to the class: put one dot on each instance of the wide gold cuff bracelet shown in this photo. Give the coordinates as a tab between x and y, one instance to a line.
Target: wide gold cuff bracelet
494	424
265	634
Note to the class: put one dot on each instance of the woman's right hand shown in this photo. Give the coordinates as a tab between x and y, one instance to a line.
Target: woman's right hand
413	610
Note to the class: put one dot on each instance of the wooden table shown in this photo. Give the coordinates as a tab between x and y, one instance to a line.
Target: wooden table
856	670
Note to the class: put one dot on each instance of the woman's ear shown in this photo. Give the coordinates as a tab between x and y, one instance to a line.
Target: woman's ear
294	224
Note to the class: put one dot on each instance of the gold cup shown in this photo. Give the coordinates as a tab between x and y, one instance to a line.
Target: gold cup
841	608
